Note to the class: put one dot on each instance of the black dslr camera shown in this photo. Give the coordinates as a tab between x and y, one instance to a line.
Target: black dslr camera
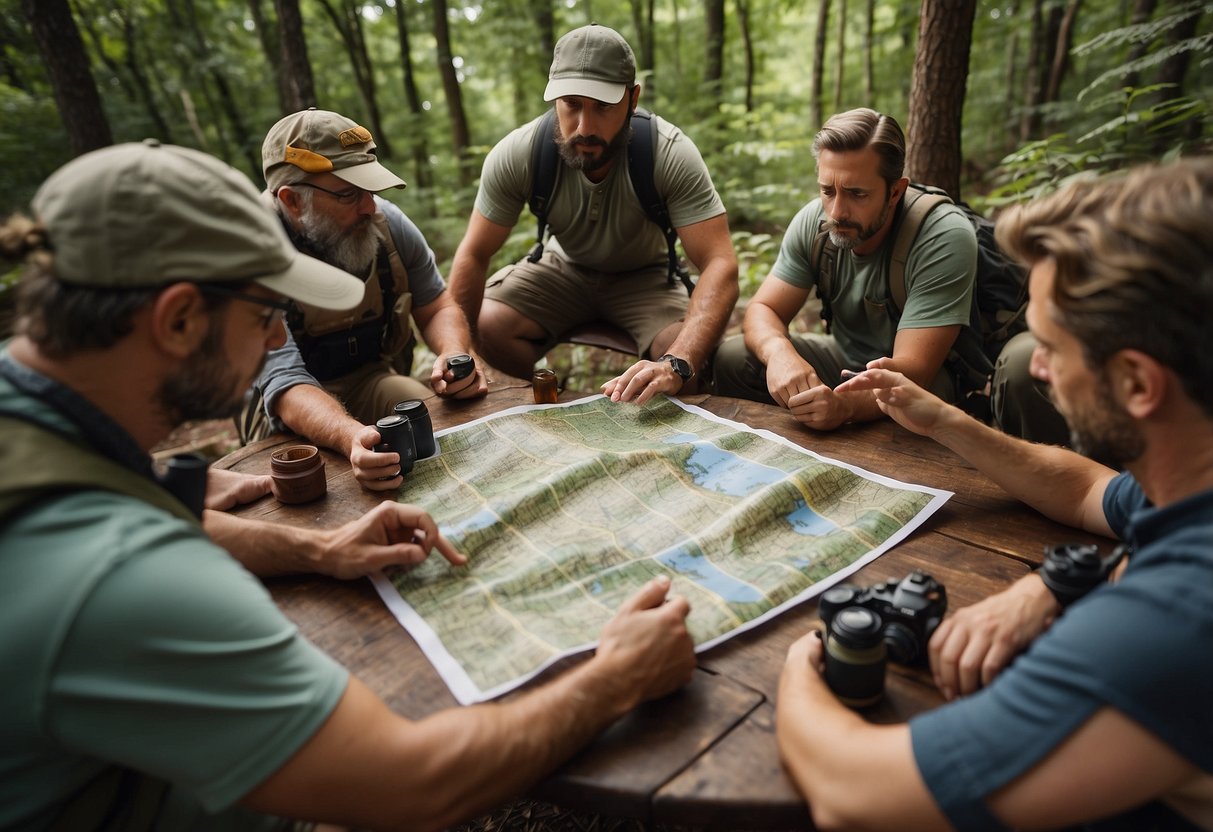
910	611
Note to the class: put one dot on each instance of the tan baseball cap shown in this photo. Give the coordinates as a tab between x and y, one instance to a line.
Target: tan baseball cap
593	61
142	215
320	141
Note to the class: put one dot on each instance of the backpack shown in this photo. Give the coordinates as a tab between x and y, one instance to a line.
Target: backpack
1000	292
545	166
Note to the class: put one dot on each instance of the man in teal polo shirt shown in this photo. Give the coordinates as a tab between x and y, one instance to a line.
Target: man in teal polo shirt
150	682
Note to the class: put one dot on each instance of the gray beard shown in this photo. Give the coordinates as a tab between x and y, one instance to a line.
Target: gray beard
352	251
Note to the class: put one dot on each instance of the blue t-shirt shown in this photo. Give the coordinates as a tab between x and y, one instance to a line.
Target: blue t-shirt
1134	646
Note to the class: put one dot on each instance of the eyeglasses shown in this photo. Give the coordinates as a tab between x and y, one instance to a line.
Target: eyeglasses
279	308
350	196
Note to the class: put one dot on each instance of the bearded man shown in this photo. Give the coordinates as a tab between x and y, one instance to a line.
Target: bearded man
323	177
860	162
605	261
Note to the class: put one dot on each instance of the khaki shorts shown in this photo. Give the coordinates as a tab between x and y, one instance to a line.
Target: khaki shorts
559	295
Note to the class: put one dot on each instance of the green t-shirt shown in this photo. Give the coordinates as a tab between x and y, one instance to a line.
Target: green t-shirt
940	270
600	225
133	642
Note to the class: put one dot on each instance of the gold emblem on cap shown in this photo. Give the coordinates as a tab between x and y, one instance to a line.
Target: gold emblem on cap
355	135
307	160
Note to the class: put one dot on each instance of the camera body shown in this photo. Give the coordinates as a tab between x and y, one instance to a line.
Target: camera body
1071	570
910	610
396	434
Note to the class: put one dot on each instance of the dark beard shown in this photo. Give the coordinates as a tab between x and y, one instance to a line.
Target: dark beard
587	164
865	234
1103	432
203	388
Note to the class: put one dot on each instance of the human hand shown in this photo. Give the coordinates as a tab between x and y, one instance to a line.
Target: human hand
390	534
227	489
374	470
642	381
908	404
820	408
647	646
973	646
445	384
789	374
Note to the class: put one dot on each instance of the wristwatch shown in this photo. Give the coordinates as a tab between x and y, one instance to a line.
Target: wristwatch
680	366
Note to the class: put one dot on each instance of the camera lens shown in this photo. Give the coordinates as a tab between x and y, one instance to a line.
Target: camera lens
856	657
835	599
901	644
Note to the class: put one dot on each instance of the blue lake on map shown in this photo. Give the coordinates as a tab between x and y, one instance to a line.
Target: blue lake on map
722	471
695	566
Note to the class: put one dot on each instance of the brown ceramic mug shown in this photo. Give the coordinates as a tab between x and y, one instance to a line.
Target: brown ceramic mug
297	474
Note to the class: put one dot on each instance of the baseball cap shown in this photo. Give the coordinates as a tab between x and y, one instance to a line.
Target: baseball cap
593	61
320	141
142	215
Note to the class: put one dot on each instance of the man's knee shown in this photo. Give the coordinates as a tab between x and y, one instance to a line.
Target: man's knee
737	372
1020	404
499	321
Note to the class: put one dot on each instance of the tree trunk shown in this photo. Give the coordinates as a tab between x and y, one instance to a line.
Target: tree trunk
460	136
1029	121
941	70
819	62
298	84
76	96
1061	53
421	153
348	23
1143	10
747	40
642	22
135	67
267	36
841	55
869	30
713	72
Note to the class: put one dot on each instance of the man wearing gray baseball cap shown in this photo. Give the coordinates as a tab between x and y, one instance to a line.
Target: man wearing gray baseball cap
149	680
341	371
606	260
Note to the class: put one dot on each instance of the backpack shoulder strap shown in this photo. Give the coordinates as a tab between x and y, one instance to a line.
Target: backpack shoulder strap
642	164
823	257
37	462
545	164
917	202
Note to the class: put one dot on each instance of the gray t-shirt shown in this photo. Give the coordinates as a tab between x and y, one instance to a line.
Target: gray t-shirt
940	269
600	225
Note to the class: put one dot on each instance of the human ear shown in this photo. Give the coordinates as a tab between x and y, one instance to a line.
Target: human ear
1138	382
180	319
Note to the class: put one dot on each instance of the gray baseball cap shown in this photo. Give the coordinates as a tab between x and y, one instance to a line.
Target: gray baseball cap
321	141
142	215
593	61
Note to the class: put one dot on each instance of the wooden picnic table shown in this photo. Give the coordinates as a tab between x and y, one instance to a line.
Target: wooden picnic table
707	754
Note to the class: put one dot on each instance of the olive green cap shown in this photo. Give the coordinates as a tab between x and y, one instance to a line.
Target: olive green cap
593	61
142	215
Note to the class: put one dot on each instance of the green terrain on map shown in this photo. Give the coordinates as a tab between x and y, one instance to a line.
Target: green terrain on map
566	511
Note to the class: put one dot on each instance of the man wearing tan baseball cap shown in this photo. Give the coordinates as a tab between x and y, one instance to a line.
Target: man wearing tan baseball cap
605	262
340	372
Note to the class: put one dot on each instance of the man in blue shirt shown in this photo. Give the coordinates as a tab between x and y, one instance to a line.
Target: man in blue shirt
1063	714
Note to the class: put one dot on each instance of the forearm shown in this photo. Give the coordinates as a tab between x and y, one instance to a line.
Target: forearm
1057	482
467	278
446	330
707	314
313	413
266	549
766	334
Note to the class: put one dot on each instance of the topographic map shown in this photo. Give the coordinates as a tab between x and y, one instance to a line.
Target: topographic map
565	510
